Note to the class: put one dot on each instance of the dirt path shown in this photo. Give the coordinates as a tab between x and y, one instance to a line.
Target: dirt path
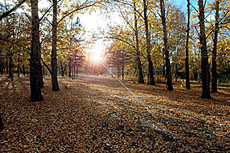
97	114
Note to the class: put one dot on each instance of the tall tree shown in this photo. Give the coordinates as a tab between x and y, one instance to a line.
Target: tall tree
151	80
34	55
187	47
216	31
204	53
55	86
166	48
139	65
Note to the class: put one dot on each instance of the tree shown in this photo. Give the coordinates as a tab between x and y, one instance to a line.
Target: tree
68	13
166	49
55	86
187	47
151	80
139	65
34	55
204	53
216	31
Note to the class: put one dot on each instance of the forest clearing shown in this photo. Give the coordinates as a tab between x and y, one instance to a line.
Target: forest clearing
96	114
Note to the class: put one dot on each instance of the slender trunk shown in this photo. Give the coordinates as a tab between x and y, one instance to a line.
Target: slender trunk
204	53
214	67
118	71
55	86
34	56
7	66
165	38
1	123
18	68
62	69
123	70
151	80
76	70
69	67
187	47
176	72
163	69
139	64
41	76
11	75
23	70
1	65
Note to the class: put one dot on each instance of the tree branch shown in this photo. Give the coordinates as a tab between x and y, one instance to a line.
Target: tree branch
46	66
11	10
81	8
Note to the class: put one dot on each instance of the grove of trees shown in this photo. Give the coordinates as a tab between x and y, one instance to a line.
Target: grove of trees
154	40
167	42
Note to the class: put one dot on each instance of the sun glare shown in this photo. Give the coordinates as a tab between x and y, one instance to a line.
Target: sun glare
97	58
97	53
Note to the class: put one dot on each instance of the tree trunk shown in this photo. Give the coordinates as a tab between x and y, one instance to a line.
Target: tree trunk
77	70
139	65
123	70
23	70
151	80
1	123
176	75
165	38
1	65
7	66
70	67
204	53
41	76
18	68
214	67
187	47
11	75
62	69
34	56
55	86
65	69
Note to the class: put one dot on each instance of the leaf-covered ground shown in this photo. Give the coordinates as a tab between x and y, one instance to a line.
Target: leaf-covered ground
97	114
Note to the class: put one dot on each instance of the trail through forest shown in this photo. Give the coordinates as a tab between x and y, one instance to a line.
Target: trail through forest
97	114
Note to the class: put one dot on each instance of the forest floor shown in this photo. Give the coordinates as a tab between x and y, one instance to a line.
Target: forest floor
97	114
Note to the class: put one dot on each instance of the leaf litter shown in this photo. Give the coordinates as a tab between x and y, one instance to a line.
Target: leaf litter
97	114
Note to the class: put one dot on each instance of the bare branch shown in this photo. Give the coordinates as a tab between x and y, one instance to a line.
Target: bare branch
11	10
78	9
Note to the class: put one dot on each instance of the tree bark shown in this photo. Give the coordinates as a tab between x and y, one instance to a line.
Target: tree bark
18	68
123	66
1	123
11	75
139	64
1	65
55	86
187	47
216	31
62	69
165	38
70	67
34	55
151	80
204	53
7	66
23	70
